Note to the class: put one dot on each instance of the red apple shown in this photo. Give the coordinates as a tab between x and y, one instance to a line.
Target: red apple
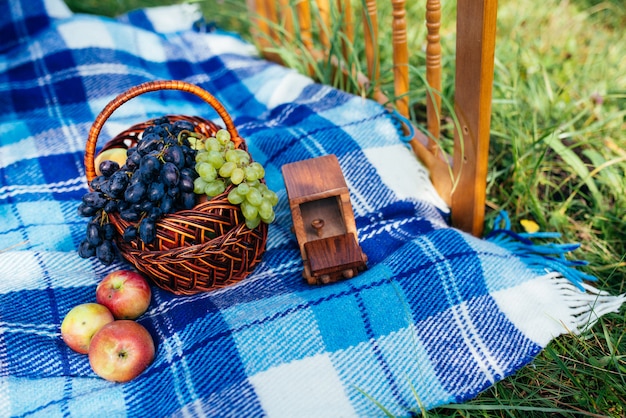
125	292
81	323
121	351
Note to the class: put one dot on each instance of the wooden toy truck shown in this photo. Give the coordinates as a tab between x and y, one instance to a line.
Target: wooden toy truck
323	220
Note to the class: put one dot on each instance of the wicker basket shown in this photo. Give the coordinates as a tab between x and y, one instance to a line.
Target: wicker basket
197	250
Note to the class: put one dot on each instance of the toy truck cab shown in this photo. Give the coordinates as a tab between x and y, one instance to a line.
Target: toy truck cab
323	220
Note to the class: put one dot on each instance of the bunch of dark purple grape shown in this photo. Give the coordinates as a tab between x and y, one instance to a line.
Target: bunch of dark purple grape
157	179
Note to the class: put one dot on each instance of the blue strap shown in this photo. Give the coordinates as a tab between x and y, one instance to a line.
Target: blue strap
401	121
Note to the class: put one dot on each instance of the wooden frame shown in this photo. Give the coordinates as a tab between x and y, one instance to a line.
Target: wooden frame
460	180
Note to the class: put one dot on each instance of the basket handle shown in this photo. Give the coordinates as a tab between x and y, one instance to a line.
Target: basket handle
96	128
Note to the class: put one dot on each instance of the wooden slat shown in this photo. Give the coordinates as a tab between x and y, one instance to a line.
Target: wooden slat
476	32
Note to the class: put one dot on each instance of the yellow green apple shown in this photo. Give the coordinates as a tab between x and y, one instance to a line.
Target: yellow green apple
81	323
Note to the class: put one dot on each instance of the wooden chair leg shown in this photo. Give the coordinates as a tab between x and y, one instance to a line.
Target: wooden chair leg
475	48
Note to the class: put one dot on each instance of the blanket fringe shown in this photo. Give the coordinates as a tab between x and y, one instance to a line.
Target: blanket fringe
585	308
548	257
554	306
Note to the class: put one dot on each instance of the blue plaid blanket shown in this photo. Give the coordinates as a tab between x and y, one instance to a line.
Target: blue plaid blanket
438	317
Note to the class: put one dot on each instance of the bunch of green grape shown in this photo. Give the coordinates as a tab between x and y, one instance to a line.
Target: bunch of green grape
219	165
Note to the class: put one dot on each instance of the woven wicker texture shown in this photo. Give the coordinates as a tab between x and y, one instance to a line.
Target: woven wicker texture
201	249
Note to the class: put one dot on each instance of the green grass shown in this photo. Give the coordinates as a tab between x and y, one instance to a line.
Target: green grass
113	7
558	157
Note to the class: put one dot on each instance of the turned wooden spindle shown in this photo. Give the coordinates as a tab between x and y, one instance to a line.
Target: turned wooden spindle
400	57
269	10
303	10
285	16
325	23
260	26
370	31
433	71
345	11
